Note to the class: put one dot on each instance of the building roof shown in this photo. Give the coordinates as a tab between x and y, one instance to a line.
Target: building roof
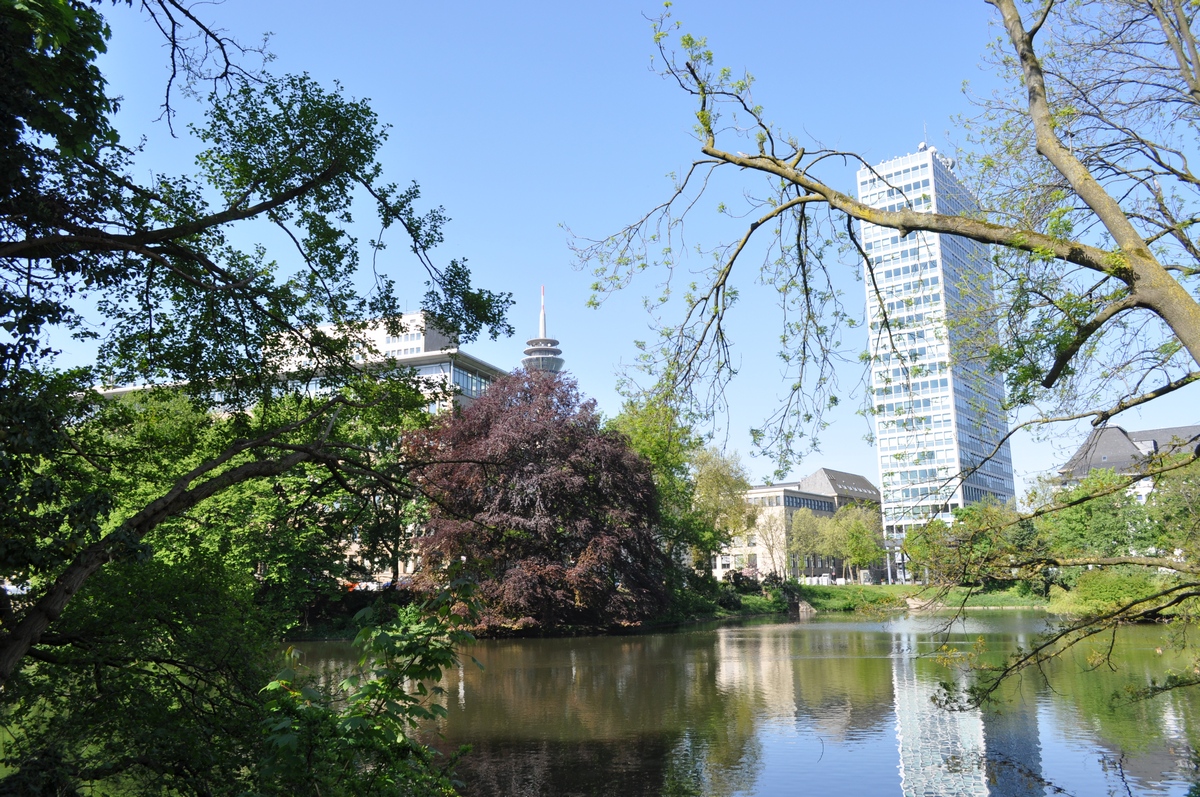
826	481
1113	448
830	483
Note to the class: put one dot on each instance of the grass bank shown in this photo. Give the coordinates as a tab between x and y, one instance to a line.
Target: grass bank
882	597
849	598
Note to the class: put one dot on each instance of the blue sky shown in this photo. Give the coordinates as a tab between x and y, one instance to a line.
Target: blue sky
521	117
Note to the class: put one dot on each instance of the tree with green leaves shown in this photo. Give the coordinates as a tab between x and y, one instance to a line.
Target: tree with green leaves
806	535
1088	202
720	500
1111	523
1087	195
159	540
195	610
656	431
771	533
228	327
863	538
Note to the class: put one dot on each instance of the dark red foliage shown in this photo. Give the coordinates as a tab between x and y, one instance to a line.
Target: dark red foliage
553	514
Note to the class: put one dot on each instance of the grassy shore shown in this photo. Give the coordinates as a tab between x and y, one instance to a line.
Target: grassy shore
888	596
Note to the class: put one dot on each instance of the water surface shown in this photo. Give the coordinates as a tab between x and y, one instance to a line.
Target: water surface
798	707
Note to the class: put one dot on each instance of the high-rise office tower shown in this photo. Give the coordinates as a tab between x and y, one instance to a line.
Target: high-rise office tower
938	415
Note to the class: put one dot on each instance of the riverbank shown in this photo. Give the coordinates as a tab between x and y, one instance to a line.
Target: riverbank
883	597
340	625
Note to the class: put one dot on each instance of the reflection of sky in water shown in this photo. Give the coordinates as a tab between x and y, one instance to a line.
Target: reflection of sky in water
833	705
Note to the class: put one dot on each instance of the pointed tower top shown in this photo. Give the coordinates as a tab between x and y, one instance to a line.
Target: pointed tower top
543	353
542	323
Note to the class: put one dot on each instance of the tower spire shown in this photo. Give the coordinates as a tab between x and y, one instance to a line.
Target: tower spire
542	353
542	324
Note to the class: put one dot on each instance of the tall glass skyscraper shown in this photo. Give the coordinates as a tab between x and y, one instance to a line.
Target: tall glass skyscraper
938	416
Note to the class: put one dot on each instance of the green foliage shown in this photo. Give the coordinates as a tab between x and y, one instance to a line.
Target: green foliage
1100	518
1099	591
1174	508
721	483
51	83
851	597
857	534
173	640
854	535
760	604
807	533
150	657
701	500
728	595
742	583
982	545
656	431
166	540
366	747
689	603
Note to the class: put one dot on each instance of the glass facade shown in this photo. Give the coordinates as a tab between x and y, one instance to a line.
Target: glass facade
938	414
471	384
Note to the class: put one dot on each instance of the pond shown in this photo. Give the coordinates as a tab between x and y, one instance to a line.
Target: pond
829	704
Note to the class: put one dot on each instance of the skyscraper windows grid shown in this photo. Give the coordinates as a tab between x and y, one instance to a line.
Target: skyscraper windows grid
937	416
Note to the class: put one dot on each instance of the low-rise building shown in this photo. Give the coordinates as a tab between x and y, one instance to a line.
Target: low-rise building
1128	453
435	357
762	549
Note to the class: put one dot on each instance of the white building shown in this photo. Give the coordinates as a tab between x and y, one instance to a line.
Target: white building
434	356
762	548
938	418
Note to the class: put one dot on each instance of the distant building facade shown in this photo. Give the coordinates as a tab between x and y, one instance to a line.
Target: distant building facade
435	357
763	548
1126	453
939	422
437	360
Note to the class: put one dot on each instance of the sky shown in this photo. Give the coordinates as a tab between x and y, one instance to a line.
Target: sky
524	119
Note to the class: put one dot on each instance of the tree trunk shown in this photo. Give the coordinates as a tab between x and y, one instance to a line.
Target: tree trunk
27	632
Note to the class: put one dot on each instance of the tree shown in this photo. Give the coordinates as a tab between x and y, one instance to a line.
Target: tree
1088	196
863	537
161	541
720	499
181	304
805	540
1094	260
552	515
656	431
1111	523
175	640
772	532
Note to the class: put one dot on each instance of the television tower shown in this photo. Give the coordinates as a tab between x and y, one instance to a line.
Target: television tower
542	353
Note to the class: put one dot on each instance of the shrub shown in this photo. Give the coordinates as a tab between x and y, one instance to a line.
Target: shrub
728	597
744	584
1101	590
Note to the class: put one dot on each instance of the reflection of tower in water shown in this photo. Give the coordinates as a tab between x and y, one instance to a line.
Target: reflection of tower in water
960	753
940	751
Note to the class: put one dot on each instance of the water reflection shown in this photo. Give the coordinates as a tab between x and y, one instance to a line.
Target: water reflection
786	708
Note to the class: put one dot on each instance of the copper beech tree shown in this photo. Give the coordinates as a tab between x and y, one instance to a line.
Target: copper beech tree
551	513
1083	165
